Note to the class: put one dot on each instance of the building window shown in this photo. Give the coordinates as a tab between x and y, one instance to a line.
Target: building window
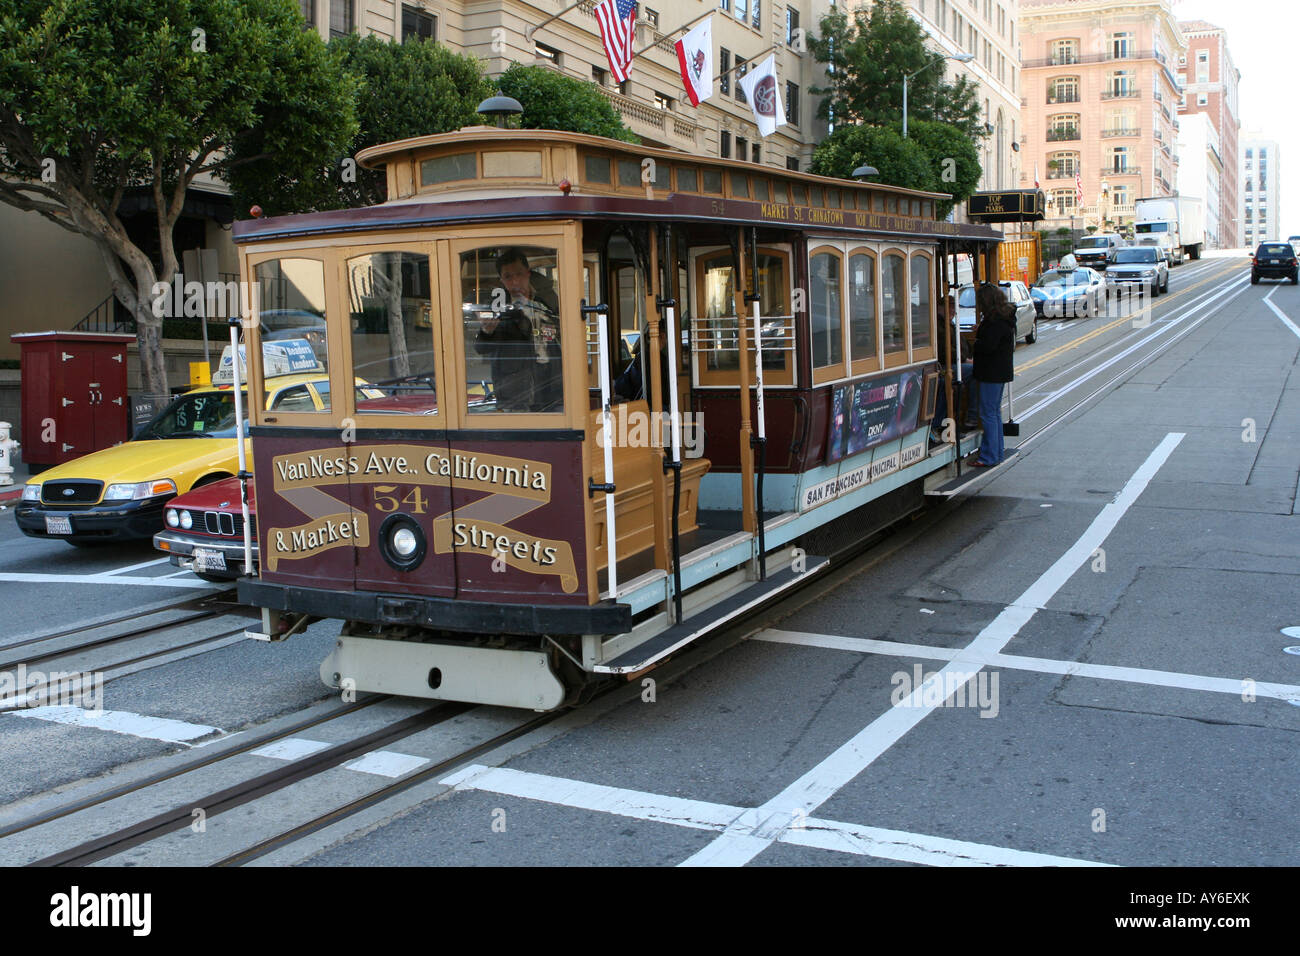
1122	46
1202	99
724	149
740	71
308	10
792	103
623	87
756	14
792	27
1120	196
341	22
418	24
663	102
1062	127
755	153
1063	200
599	76
651	15
1122	83
792	163
1203	66
1119	158
742	148
1062	165
741	8
546	53
1063	89
724	5
724	67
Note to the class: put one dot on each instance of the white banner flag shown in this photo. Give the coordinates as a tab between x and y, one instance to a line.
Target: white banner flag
695	58
764	97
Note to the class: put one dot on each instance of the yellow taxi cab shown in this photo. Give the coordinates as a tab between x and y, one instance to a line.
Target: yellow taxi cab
120	493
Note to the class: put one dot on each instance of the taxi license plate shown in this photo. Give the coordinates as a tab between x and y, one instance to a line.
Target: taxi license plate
209	560
58	524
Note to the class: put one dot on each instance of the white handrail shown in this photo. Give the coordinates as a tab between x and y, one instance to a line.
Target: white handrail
606	426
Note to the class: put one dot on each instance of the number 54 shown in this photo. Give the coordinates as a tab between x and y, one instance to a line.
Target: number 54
386	499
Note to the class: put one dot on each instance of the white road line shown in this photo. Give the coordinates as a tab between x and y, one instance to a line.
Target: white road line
33	578
733	848
701	815
386	763
290	748
1133	675
1280	314
1161	327
136	567
121	722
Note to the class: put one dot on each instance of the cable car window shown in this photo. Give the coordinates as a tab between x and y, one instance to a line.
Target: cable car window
296	399
893	289
781	192
391	316
833	198
740	185
877	202
826	310
446	169
720	339
292	309
688	180
663	176
597	169
920	300
776	327
511	312
629	172
760	190
815	196
797	194
712	179
862	306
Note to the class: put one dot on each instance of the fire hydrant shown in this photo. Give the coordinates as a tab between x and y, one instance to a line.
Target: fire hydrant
7	447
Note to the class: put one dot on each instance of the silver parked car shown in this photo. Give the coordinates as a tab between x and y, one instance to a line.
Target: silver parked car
1144	266
1015	291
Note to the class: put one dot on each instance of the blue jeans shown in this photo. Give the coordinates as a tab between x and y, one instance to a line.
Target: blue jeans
991	449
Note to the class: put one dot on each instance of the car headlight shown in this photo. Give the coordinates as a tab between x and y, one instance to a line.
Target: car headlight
1148	273
173	518
31	492
143	489
187	520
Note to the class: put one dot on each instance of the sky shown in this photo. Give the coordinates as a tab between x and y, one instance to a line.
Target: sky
1262	40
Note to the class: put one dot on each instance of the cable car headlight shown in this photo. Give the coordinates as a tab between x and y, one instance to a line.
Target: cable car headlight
187	520
402	542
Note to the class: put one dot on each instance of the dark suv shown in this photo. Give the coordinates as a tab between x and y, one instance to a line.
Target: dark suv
1274	260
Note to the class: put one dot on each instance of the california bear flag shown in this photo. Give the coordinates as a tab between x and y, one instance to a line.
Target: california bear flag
760	87
695	57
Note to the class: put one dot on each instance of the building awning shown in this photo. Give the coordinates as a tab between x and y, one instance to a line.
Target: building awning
1016	205
199	204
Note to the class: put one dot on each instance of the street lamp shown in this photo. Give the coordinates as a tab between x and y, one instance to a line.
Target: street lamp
959	57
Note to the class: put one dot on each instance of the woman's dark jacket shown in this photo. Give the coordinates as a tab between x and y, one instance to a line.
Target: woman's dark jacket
995	345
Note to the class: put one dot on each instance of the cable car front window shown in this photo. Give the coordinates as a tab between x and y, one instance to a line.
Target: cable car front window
391	311
511	314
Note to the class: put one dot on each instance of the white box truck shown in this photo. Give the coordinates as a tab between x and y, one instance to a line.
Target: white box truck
1176	223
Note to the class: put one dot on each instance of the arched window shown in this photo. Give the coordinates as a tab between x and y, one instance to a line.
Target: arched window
1063	89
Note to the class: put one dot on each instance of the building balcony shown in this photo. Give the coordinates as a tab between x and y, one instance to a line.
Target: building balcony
1121	170
1121	131
1077	59
1053	98
661	125
1060	174
1120	94
1063	134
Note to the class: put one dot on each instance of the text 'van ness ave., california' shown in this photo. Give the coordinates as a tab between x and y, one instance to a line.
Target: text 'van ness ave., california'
413	464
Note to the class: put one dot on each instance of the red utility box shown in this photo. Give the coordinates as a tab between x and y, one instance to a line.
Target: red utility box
73	394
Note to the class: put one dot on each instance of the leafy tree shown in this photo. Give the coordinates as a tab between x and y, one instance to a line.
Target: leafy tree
99	96
953	158
553	101
402	90
867	58
901	162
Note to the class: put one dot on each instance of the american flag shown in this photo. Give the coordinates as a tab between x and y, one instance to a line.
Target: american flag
617	19
1078	187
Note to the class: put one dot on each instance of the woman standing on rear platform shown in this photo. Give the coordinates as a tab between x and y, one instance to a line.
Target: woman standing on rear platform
994	351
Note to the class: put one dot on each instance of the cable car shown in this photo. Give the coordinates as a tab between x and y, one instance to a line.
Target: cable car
628	393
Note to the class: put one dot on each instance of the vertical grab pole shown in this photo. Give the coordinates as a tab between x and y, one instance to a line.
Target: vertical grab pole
759	441
244	475
674	462
607	434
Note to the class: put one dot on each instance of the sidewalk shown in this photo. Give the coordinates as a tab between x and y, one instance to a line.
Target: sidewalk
11	493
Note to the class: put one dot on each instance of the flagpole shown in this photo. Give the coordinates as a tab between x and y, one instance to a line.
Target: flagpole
528	34
689	23
748	62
